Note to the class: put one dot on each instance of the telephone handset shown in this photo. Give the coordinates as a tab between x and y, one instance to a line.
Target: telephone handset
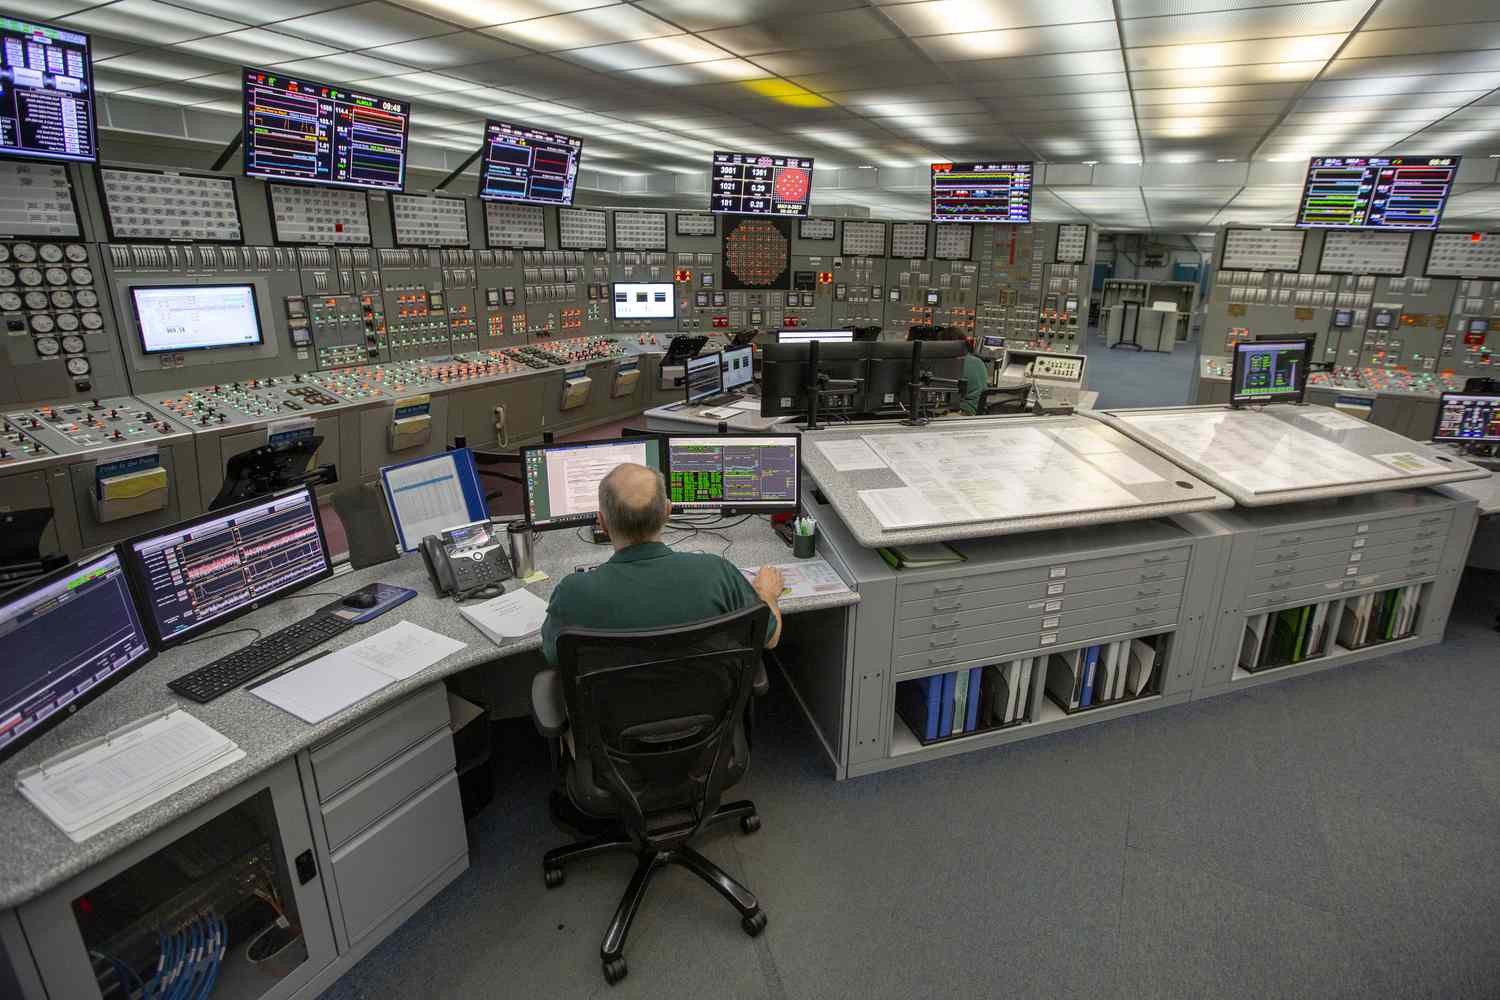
467	561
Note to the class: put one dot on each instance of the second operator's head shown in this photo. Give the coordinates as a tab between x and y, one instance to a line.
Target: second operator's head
633	505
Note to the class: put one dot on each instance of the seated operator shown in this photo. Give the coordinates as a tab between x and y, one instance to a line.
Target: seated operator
645	584
976	372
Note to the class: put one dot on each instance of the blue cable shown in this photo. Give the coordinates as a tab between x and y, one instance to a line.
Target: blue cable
217	955
148	988
193	933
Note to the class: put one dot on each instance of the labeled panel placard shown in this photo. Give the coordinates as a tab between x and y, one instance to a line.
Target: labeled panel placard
640	230
429	220
161	205
1072	243
1263	249
319	215
863	239
512	226
36	200
909	240
1354	252
1464	255
582	229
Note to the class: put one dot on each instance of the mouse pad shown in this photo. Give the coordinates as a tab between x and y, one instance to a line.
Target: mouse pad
386	598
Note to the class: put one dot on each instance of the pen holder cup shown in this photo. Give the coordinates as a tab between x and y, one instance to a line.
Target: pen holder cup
805	546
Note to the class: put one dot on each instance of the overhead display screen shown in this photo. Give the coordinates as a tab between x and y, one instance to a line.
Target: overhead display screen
757	184
981	192
1376	192
316	133
528	164
757	254
46	93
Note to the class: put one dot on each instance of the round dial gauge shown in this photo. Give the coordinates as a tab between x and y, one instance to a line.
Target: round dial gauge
46	346
62	299
9	301
87	298
67	322
36	300
78	366
57	276
30	276
83	276
4	253
24	252
92	321
51	253
73	345
7	277
76	252
42	323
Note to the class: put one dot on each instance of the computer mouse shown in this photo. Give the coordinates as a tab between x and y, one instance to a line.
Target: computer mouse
360	599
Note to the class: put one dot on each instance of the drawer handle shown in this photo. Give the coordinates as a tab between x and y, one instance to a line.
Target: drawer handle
1283	571
952	606
1423	548
950	623
1142	624
1426	534
1419	562
935	660
1290	540
1148	608
940	643
1148	593
1156	559
1430	520
1146	577
1280	586
957	588
1286	556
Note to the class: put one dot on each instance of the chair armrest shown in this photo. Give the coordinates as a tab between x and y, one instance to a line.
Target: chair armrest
761	684
548	709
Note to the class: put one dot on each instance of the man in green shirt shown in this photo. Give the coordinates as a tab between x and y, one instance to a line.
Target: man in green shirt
645	584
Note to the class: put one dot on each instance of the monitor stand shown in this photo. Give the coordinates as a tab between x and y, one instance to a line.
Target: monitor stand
272	468
21	556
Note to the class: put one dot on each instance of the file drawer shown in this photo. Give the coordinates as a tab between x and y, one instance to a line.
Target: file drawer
1093	618
388	864
356	752
1061	570
1168	576
1341	571
365	801
1285	594
1282	538
1034	614
1404	540
996	650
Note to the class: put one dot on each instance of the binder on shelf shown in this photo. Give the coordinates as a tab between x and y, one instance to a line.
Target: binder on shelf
919	703
945	721
1065	679
1142	665
1090	664
971	711
920	556
960	702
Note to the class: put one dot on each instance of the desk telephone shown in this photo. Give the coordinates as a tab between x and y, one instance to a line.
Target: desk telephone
467	561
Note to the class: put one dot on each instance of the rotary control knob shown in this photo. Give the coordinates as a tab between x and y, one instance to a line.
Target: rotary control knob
80	366
67	322
24	252
46	347
30	276
36	300
72	345
56	276
9	301
92	321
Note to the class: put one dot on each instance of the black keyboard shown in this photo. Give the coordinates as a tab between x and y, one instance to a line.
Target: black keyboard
229	672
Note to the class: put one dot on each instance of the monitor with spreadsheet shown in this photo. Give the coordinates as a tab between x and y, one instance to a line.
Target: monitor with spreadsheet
1468	418
808	336
429	495
172	318
67	637
1269	371
745	472
737	367
202	572
562	480
702	377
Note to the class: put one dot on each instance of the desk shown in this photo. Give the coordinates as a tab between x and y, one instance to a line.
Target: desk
681	419
1485	552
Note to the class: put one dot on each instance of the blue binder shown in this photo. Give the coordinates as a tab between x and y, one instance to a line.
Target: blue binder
971	719
1087	665
945	724
920	704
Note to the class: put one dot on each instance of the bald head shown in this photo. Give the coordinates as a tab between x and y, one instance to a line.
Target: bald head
633	504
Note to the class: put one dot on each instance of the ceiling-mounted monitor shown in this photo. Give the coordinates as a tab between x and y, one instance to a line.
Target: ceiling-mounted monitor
526	164
760	184
317	133
998	191
1376	192
46	93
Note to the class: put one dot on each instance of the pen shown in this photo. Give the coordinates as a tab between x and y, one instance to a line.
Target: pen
287	670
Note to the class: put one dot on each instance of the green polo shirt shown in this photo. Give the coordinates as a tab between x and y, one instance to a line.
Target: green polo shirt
647	586
977	375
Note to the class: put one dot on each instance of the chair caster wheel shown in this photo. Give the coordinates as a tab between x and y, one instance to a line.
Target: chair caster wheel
750	823
754	923
553	877
614	970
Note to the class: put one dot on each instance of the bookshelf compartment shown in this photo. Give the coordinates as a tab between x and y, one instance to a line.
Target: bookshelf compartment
940	708
1308	632
1106	674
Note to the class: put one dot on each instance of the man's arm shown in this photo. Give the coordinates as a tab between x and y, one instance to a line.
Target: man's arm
768	584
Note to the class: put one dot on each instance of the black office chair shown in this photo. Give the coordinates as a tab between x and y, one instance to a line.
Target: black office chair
658	719
1008	400
1482	384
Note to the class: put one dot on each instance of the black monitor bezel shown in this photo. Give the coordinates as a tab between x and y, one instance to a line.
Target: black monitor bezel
135	568
988	220
140	331
73	706
93	102
484	158
758	507
575	520
687	382
1366	227
1438	419
1237	364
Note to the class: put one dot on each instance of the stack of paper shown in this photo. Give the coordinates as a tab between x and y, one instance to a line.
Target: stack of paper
94	786
806	578
509	616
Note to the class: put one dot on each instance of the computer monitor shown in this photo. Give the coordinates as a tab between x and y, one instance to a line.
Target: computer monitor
1269	371
784	376
886	389
429	495
67	636
741	472
562	480
208	570
1468	418
808	336
737	367
644	300
702	377
172	318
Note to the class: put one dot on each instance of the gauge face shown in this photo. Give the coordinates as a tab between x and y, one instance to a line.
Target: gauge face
36	300
78	366
42	323
57	276
87	298
92	321
67	322
24	252
46	346
72	345
7	277
62	299
76	252
30	276
83	276
9	301
4	253
51	253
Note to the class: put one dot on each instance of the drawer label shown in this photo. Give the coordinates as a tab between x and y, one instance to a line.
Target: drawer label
1352	570
1053	606
1361	529
1054	589
1053	622
1356	556
1048	638
1057	572
1359	543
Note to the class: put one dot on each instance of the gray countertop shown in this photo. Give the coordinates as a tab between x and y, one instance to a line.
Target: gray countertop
39	857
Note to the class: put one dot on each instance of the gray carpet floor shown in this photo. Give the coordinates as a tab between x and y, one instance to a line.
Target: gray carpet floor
1125	377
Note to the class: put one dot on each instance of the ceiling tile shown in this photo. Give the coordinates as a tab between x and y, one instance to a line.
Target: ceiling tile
699	15
589	27
665	51
1237	25
848	27
345	67
165	64
693	74
255	47
1483	61
484	13
147	20
1021	67
948	16
1209	76
1421	13
1400	41
443	51
262	11
363	26
1224	54
1021	42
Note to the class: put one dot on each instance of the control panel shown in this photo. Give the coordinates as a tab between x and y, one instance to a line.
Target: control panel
248	402
1472	341
1010	277
567	290
500	312
858	292
72	428
415	303
59	335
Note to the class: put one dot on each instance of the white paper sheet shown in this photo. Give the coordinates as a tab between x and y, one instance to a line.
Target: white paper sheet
901	507
805	578
323	687
849	455
509	616
1333	420
1085	440
748	405
402	650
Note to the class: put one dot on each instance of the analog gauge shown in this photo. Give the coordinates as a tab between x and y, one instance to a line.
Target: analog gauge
92	321
24	252
72	345
42	323
36	300
57	276
62	299
7	277
51	253
76	252
87	298
67	322
46	346
78	366
9	301
83	276
4	253
30	276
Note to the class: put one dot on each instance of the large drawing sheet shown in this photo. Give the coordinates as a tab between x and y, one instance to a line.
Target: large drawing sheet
1260	453
983	475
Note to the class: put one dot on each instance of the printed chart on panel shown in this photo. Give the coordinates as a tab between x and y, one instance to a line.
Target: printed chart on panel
690	224
1263	249
815	229
1072	243
35	200
1364	253
640	230
515	227
1464	255
156	205
425	220
582	229
319	215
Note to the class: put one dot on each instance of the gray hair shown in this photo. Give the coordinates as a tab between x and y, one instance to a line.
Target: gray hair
631	515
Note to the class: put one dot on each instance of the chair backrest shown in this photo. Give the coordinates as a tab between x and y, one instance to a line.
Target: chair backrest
1008	400
656	711
1482	384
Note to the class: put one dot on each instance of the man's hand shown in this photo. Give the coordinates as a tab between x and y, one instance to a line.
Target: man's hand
768	583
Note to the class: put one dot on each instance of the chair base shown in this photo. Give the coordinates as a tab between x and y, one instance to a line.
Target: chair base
648	862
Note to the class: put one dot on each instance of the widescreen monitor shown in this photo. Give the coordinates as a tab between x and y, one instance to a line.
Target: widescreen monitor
761	184
1270	371
702	377
997	191
530	165
733	472
1468	418
562	480
46	93
172	318
320	133
808	336
1376	192
738	367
